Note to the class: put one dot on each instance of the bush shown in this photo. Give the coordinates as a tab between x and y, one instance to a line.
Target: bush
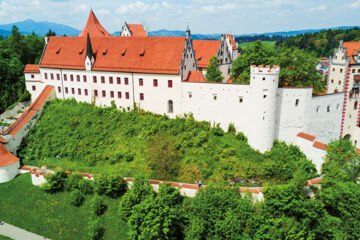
241	136
98	206
72	182
55	182
86	186
111	186
76	198
96	229
231	129
26	96
217	131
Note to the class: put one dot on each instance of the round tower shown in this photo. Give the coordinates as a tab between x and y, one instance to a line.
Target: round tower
262	111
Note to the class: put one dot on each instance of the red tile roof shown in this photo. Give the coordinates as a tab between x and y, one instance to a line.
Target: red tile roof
204	50
137	30
161	54
31	68
196	76
306	136
232	41
30	112
352	49
93	27
2	140
6	158
320	145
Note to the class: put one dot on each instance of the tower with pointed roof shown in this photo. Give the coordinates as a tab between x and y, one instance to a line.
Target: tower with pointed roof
93	27
90	57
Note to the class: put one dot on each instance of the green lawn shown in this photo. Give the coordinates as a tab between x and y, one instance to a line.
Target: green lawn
4	238
266	43
51	215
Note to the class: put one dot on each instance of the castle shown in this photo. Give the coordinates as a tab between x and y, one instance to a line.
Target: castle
165	75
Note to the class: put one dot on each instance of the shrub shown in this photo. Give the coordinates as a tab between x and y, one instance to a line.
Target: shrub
86	186
72	182
96	229
98	206
76	198
26	96
241	136
55	182
231	129
111	186
217	131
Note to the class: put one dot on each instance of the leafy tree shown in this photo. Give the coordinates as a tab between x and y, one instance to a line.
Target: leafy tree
213	74
86	186
96	229
98	206
72	182
110	185
76	198
139	191
55	182
50	33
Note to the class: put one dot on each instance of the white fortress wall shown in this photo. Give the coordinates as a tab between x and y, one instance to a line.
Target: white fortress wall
316	155
293	105
9	172
34	84
325	117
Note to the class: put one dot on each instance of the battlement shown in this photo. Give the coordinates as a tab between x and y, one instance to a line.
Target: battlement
265	69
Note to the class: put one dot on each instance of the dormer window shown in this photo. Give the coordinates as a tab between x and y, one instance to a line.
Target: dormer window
123	52
81	51
58	51
142	52
104	51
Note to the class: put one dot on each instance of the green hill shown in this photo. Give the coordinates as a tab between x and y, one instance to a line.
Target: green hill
79	136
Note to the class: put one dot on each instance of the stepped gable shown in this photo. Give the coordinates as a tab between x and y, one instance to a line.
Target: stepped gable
137	30
6	158
352	49
31	68
196	76
232	41
93	27
123	54
204	50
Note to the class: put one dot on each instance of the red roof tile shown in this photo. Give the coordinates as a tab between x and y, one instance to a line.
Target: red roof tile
30	112
232	41
2	140
251	190
31	68
204	50
137	30
6	158
320	145
196	76
93	27
161	54
306	136
352	49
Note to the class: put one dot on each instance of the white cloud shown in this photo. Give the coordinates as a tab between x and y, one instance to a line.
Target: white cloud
102	11
216	8
317	9
81	8
137	7
355	4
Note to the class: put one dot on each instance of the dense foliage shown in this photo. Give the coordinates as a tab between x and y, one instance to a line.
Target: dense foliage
82	137
321	43
297	66
16	51
213	74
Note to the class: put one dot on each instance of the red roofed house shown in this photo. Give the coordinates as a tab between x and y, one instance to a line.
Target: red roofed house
134	30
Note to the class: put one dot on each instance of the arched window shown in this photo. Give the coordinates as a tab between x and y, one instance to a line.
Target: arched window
170	106
347	136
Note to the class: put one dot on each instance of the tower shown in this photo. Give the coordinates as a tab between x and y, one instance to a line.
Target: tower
262	113
90	58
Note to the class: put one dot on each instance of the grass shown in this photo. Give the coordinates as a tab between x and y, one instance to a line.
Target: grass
266	43
4	238
51	215
4	124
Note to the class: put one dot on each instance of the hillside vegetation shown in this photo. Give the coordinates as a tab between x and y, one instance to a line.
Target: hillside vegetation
79	136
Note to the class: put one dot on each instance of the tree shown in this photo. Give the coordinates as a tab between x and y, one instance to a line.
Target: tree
55	182
163	157
213	74
110	185
98	206
50	33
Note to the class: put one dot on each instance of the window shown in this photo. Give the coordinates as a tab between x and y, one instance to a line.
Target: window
59	89
78	78
263	79
355	105
353	71
86	92
102	79
341	70
95	93
45	75
33	88
333	69
65	77
337	107
296	102
170	106
71	77
141	82
103	93
328	108
58	76
94	79
79	91
126	81
141	97
155	82
240	99
317	108
332	80
52	76
118	80
73	91
190	94
127	95
358	70
264	96
111	80
84	78
32	76
185	67
339	82
169	83
66	90
112	94
215	96
119	94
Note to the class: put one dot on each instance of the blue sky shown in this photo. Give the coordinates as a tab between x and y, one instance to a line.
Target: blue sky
203	16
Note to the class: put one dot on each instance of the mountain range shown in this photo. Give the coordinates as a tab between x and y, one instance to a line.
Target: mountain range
41	28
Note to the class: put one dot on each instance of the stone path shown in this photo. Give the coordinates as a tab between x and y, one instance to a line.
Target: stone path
18	233
12	114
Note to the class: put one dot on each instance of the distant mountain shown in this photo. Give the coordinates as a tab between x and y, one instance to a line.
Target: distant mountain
40	28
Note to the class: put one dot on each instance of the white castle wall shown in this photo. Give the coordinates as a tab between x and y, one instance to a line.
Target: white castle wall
316	155
8	172
34	80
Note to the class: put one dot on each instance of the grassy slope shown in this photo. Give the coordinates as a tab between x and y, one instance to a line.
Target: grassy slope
51	215
4	238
